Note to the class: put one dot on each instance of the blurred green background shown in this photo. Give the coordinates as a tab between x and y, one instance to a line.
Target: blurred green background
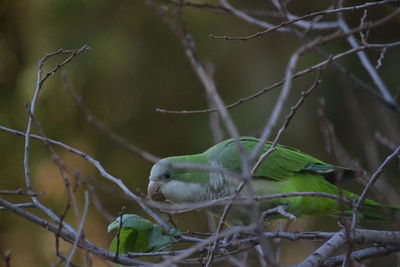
136	64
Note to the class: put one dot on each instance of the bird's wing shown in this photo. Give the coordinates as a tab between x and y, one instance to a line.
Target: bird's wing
281	164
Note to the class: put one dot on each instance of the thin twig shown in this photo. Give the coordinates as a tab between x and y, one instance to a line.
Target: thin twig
381	57
121	216
245	17
205	242
277	210
61	168
182	208
80	230
290	69
102	172
327	249
210	88
39	83
359	83
364	59
384	141
271	28
294	76
333	244
371	182
20	205
70	236
363	254
20	192
288	119
155	254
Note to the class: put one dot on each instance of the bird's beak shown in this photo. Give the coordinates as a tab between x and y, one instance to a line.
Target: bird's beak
153	191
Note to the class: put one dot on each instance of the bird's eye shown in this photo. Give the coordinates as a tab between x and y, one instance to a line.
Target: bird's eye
167	175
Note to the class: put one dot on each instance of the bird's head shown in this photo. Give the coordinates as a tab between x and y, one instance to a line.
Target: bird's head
178	185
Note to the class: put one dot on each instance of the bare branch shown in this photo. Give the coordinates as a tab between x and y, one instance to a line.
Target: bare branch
80	230
327	249
39	84
182	208
381	57
333	244
202	244
21	205
371	182
101	170
20	192
386	142
272	28
295	76
71	236
363	254
288	119
365	61
245	17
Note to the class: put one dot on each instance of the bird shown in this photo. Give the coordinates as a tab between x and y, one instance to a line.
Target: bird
285	170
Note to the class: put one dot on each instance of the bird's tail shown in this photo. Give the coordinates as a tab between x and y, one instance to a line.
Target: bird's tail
374	211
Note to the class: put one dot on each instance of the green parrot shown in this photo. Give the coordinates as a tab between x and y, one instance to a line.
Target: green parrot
140	235
285	170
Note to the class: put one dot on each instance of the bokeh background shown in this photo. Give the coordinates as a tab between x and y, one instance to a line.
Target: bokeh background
136	64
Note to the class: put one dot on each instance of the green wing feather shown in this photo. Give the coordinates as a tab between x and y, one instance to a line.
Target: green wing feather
288	170
281	164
